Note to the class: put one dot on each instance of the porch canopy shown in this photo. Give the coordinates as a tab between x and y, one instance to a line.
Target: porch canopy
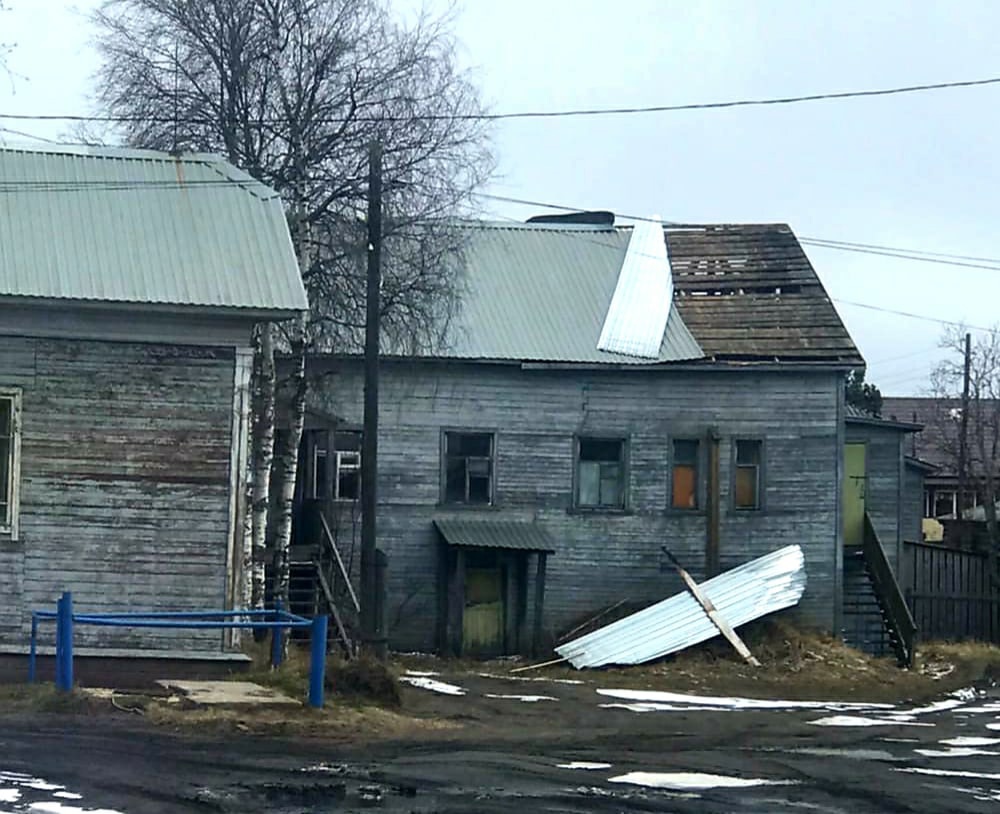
514	541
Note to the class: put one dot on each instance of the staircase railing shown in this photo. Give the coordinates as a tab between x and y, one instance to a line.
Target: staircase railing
902	628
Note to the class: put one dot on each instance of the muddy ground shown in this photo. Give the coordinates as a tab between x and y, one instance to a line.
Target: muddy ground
499	754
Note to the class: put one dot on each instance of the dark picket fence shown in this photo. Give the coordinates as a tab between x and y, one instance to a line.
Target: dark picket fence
949	593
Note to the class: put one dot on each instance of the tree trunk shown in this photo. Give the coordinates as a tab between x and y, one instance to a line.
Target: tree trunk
263	458
286	466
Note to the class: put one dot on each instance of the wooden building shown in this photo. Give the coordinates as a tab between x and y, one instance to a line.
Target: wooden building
521	451
129	285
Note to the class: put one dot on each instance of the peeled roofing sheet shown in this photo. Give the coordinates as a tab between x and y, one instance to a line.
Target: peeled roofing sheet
637	315
745	593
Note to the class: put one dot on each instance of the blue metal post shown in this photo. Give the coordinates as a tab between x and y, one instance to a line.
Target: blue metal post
34	649
277	638
317	662
64	643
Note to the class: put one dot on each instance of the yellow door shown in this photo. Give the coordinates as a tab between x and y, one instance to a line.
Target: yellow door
854	494
483	620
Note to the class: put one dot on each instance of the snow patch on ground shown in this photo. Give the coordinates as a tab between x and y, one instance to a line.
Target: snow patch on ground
529	699
440	687
950	773
716	702
55	807
586	765
958	751
994	727
9	795
855	720
424	673
693	780
531	678
658	708
966	741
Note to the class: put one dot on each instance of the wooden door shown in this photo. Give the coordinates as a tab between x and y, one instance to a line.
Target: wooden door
855	478
483	620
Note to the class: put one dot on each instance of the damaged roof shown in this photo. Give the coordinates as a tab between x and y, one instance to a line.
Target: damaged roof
540	291
142	227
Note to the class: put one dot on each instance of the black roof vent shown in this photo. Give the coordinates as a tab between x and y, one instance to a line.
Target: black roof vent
596	218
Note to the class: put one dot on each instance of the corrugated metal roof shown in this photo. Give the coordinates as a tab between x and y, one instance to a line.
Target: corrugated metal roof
747	592
137	226
540	292
512	534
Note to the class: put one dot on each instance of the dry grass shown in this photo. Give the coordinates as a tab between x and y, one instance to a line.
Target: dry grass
44	697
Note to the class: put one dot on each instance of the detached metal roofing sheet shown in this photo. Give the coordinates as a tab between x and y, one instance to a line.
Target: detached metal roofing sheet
521	536
540	292
745	593
142	227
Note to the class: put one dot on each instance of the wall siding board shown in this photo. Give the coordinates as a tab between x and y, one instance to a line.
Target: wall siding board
124	485
599	558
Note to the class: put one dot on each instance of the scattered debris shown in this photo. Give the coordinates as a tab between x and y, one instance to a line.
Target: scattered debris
423	683
745	593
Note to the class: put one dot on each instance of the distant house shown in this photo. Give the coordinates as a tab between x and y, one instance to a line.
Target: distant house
524	465
129	285
938	445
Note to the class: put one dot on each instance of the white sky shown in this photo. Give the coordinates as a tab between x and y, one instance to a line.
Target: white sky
916	171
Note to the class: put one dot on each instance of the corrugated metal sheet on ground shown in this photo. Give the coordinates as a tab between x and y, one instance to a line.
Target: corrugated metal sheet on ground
540	292
522	536
745	593
137	226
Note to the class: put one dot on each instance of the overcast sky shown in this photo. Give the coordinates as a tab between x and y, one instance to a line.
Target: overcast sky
916	171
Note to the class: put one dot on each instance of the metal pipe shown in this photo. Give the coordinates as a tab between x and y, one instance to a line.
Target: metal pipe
34	648
101	621
277	640
317	661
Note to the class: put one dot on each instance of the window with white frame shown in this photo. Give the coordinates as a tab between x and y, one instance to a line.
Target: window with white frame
342	479
10	443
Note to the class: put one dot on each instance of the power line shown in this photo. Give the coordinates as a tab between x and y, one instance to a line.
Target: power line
923	317
915	257
856	245
537	114
901	356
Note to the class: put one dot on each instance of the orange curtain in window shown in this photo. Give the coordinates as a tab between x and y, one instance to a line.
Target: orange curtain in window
685	492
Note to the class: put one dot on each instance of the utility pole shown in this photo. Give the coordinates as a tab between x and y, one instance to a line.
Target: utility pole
372	635
963	442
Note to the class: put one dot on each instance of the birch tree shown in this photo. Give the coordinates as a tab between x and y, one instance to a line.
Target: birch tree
293	91
982	460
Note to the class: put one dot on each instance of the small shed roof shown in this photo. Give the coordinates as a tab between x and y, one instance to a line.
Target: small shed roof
857	415
142	227
510	534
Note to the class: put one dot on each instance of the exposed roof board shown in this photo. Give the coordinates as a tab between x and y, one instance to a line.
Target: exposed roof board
142	227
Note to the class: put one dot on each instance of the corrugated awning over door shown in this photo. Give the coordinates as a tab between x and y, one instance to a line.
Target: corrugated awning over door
509	534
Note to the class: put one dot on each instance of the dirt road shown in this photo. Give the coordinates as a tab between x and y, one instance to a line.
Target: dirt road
511	754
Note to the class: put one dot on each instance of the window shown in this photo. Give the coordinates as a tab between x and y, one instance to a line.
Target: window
746	494
945	503
10	403
468	468
345	471
685	475
600	473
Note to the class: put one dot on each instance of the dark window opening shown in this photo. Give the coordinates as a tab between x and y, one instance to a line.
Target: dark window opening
685	475
600	473
6	459
468	476
748	462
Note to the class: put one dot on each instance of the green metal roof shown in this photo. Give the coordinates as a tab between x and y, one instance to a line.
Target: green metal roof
512	534
540	292
142	227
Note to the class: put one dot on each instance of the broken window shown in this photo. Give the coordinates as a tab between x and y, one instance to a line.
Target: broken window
10	402
468	475
685	475
600	473
746	494
338	477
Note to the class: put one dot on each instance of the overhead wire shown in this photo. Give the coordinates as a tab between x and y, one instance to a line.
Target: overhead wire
543	114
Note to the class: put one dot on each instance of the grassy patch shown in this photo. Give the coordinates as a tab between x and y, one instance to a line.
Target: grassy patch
44	697
365	680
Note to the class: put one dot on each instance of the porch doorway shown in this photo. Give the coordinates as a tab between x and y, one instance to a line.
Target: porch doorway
485	613
855	487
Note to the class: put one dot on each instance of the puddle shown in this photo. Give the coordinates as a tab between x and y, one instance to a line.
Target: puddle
966	741
530	699
693	781
586	765
424	683
855	720
717	702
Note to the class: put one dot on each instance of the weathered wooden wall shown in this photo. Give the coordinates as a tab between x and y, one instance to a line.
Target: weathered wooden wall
884	486
600	558
125	468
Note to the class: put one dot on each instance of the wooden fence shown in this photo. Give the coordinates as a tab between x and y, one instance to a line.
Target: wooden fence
949	593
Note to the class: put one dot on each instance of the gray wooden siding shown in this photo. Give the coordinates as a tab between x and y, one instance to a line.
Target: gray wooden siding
124	484
883	484
600	558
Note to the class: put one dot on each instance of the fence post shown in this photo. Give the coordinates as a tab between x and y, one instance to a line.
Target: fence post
317	661
277	638
64	642
33	649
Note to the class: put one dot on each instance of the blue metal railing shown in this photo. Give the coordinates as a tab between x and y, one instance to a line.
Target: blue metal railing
276	620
